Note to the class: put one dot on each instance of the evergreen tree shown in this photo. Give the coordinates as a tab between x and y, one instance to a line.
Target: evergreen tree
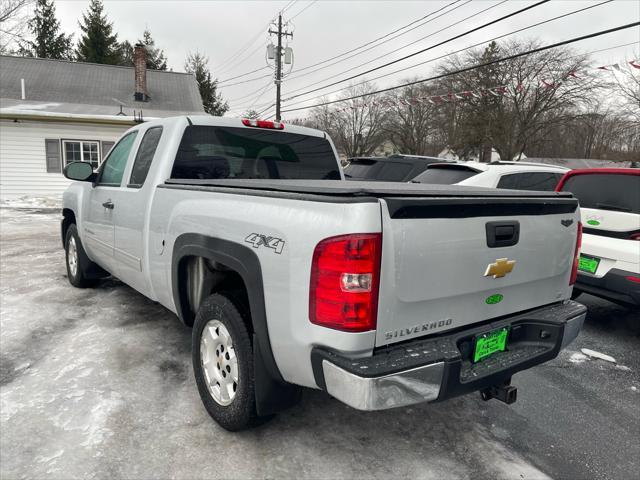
125	52
98	43
48	41
211	100
156	59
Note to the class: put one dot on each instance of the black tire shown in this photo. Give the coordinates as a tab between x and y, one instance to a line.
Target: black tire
229	311
79	279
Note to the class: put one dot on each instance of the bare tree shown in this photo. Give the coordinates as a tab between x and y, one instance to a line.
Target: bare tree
13	22
355	125
627	85
410	123
540	94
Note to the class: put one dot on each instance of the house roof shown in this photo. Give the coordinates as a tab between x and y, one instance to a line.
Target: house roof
60	86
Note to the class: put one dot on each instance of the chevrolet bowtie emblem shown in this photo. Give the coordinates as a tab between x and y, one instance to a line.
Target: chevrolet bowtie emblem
500	268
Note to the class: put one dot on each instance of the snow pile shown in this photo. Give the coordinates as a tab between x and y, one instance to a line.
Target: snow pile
53	201
601	356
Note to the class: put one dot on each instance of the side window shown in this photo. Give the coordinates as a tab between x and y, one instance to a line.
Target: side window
545	181
113	167
509	181
144	157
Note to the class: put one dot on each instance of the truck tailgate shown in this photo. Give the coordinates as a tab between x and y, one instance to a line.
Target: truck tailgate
451	262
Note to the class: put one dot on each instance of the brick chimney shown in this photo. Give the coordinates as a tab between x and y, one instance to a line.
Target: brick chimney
140	69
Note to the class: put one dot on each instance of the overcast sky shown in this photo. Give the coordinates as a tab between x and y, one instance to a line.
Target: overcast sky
323	29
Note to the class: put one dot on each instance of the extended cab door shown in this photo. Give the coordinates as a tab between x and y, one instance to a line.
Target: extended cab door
99	222
130	221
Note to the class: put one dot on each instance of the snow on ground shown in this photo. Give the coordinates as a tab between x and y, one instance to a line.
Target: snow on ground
33	202
97	383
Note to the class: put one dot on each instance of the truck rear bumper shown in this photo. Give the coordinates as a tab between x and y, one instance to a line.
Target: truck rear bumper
438	368
614	286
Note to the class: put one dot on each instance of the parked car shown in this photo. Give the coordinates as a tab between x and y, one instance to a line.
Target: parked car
382	294
394	168
610	207
513	175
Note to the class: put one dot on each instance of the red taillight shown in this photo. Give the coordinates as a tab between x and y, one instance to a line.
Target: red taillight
576	256
634	236
632	278
250	122
345	275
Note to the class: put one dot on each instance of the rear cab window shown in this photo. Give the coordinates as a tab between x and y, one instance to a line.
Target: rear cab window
209	152
445	174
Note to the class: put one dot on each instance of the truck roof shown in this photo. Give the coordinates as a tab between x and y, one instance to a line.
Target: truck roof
237	122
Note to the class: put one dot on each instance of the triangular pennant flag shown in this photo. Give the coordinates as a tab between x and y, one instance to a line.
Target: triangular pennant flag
616	66
573	74
604	67
634	64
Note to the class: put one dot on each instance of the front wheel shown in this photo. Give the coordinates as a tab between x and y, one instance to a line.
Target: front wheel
78	264
223	362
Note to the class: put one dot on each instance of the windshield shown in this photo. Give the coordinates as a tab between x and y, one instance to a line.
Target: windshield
606	191
208	152
445	175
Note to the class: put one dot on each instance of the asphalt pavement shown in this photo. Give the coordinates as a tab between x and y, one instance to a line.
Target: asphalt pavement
98	383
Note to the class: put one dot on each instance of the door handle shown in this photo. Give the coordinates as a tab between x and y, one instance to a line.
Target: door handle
108	204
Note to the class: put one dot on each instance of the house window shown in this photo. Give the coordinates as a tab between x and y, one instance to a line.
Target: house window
81	151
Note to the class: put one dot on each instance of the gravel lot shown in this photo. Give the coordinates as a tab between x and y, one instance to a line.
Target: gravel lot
98	384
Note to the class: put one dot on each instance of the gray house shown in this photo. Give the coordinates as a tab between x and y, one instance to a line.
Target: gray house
53	112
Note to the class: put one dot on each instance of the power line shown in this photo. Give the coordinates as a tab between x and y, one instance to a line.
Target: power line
380	38
251	93
242	75
247	45
364	45
461	50
399	48
314	1
492	22
467	69
223	65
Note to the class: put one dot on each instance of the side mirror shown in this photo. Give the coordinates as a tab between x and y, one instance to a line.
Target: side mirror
81	171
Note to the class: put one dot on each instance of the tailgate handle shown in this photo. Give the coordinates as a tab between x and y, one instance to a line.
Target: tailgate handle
502	234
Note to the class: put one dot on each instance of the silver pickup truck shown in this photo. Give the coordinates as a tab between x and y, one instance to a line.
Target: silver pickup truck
381	294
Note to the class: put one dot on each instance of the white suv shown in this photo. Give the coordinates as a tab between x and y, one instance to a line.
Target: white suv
610	256
513	175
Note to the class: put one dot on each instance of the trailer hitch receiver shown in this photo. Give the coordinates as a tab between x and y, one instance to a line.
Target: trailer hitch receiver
503	392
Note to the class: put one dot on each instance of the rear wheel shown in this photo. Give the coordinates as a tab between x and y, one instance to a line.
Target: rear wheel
223	362
78	264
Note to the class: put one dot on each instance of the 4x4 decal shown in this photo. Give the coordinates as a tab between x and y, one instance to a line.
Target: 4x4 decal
257	240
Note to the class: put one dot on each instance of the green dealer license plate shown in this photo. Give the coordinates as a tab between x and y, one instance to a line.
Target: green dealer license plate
489	343
588	264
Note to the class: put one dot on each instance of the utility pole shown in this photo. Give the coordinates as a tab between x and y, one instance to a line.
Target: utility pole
278	59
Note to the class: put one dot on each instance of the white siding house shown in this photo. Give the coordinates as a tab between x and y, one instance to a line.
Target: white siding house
32	153
53	112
